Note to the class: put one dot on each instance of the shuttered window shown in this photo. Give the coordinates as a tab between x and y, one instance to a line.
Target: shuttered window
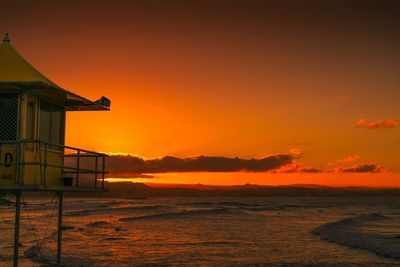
52	119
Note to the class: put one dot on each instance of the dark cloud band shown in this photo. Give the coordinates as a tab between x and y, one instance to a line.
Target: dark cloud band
361	168
131	164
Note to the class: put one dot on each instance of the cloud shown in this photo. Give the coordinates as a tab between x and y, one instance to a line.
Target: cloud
127	164
296	151
361	168
380	124
348	159
296	167
131	166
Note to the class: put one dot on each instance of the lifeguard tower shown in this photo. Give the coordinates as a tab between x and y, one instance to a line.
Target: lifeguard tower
33	155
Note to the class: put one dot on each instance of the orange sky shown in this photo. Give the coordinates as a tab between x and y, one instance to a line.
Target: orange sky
234	79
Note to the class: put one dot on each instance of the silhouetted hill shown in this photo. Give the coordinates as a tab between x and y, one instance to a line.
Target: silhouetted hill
140	190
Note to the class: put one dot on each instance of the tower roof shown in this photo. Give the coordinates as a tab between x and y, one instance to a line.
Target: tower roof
17	73
13	67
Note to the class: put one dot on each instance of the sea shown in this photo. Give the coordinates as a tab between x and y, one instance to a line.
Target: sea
268	231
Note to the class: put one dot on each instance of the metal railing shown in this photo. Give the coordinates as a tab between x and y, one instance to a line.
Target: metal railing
79	167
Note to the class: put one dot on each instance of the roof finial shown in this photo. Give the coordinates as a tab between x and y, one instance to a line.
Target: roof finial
6	38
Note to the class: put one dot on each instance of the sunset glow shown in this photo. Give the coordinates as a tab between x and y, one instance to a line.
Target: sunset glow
193	82
226	179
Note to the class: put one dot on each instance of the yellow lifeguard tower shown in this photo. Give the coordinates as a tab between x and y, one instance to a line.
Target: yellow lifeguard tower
33	155
32	130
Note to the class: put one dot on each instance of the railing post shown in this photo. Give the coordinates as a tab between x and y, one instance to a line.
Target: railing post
20	163
16	230
23	150
103	171
62	165
96	170
36	150
77	167
59	230
17	162
45	163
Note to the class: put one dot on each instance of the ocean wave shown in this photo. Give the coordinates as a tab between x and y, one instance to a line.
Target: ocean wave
173	215
112	210
97	224
361	232
220	203
114	239
252	206
284	207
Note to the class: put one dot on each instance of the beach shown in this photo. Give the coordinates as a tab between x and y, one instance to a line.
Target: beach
269	231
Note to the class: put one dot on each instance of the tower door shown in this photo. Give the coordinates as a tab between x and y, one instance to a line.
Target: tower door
8	135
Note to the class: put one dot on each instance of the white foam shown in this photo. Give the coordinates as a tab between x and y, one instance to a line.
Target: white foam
362	232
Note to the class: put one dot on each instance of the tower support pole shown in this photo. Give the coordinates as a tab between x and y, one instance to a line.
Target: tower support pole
17	223
59	232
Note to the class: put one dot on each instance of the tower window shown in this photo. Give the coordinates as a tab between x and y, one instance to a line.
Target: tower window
8	117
